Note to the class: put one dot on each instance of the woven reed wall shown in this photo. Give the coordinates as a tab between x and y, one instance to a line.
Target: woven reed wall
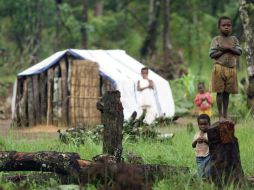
84	93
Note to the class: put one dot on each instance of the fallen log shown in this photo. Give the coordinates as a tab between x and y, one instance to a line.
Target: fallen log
62	163
226	165
104	169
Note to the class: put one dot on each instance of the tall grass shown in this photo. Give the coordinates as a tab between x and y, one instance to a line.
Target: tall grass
177	152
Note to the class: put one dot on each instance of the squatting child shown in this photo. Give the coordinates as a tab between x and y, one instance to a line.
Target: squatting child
200	143
203	100
225	51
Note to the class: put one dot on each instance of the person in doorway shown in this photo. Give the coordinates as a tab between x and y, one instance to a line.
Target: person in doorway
225	51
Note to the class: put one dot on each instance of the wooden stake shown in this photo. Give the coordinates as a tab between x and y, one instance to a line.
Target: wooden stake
112	119
50	97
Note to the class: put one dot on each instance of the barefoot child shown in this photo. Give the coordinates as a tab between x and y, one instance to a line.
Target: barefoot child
203	101
200	143
225	51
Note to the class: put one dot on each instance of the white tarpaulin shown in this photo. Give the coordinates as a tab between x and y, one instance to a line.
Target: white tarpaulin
124	71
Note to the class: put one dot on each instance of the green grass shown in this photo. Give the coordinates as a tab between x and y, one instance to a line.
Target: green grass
177	152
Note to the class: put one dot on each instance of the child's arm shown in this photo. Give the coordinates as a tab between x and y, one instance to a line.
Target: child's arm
197	100
194	143
232	50
206	141
209	98
216	54
214	51
139	88
235	49
151	85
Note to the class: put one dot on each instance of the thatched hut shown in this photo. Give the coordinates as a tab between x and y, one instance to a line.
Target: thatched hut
64	88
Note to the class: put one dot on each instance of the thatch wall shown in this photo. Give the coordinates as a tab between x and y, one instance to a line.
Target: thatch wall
65	94
84	85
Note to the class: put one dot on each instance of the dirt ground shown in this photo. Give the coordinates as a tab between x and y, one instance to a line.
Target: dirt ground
30	133
42	131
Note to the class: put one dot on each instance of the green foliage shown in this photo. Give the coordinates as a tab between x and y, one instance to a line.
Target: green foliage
238	106
2	144
80	135
184	91
123	25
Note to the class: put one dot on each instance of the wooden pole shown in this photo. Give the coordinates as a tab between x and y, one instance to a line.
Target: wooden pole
37	105
43	95
18	109
112	119
25	118
55	95
31	102
50	97
65	99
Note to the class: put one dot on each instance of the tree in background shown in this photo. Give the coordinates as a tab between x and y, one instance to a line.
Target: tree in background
166	42
58	24
148	48
98	8
83	30
32	30
249	49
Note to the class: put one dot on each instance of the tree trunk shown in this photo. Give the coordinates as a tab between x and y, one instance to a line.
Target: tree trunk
165	40
86	171
58	24
249	50
112	119
151	11
98	8
62	163
225	155
149	45
84	21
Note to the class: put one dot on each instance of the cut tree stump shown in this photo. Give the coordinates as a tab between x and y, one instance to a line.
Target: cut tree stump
226	165
112	119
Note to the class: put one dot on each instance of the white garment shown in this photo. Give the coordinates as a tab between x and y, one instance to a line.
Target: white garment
146	95
147	101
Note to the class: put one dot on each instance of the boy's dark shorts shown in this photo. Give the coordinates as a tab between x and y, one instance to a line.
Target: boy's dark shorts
224	79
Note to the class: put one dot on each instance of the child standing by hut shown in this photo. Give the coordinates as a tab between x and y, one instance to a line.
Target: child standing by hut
200	143
145	86
225	51
203	100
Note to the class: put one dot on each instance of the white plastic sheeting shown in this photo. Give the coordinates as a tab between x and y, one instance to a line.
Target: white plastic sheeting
124	71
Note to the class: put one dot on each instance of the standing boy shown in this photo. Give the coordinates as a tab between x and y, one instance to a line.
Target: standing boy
200	143
225	51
